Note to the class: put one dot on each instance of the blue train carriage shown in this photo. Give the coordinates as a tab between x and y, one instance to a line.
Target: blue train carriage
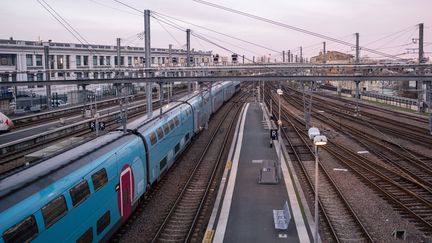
218	95
165	138
168	135
86	193
222	92
82	195
236	86
229	90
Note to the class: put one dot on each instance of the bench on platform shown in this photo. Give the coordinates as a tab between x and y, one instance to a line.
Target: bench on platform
282	217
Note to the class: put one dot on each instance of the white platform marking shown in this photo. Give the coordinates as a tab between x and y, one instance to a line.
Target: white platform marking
363	152
208	237
340	169
257	161
224	214
294	201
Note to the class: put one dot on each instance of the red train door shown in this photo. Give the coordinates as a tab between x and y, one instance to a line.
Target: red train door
125	192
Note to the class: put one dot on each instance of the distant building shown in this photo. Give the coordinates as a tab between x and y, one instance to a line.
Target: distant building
22	60
333	57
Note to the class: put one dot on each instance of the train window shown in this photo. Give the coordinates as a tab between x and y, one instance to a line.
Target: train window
79	193
177	121
54	211
159	133
177	148
24	231
153	138
163	163
99	179
166	128
87	237
103	222
171	124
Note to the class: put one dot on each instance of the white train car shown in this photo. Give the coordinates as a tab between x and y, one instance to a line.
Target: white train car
6	123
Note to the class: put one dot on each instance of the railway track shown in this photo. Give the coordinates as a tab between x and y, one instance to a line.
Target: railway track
343	224
178	225
364	105
407	193
15	159
406	161
409	198
411	132
155	205
411	163
45	117
54	115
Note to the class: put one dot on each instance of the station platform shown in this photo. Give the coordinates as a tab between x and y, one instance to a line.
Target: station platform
247	196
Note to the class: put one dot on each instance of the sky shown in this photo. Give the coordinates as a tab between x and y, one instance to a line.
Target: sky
385	25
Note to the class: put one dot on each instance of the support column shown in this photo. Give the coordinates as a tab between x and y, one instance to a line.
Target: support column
48	74
357	60
169	54
289	55
148	62
301	54
188	54
357	94
161	98
283	56
118	56
324	53
420	89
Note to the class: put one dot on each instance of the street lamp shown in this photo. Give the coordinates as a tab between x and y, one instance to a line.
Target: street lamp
279	92
318	140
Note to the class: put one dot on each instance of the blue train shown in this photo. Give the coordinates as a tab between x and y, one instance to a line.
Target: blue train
86	193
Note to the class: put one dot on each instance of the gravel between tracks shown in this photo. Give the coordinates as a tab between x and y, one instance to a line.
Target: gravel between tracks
379	216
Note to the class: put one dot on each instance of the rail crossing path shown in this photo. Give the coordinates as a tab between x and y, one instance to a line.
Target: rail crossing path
253	204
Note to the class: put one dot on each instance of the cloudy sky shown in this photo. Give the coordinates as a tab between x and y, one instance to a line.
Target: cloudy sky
385	25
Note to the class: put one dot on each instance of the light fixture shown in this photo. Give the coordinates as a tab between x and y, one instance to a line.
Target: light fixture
320	140
313	132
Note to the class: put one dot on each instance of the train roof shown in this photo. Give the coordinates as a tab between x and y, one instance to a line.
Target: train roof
27	182
168	111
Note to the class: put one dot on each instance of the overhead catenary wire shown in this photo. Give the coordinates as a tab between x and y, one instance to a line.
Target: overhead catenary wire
292	27
397	37
169	33
164	17
111	7
390	35
172	24
217	32
129	6
67	26
58	20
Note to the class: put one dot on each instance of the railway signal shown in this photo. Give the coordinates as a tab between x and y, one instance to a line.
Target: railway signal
273	134
101	126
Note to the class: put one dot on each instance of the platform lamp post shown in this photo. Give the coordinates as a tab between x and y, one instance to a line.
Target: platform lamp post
318	140
279	92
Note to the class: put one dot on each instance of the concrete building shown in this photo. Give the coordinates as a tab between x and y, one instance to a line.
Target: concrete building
22	60
333	57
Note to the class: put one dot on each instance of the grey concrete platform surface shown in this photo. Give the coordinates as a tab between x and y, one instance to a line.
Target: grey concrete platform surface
245	210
